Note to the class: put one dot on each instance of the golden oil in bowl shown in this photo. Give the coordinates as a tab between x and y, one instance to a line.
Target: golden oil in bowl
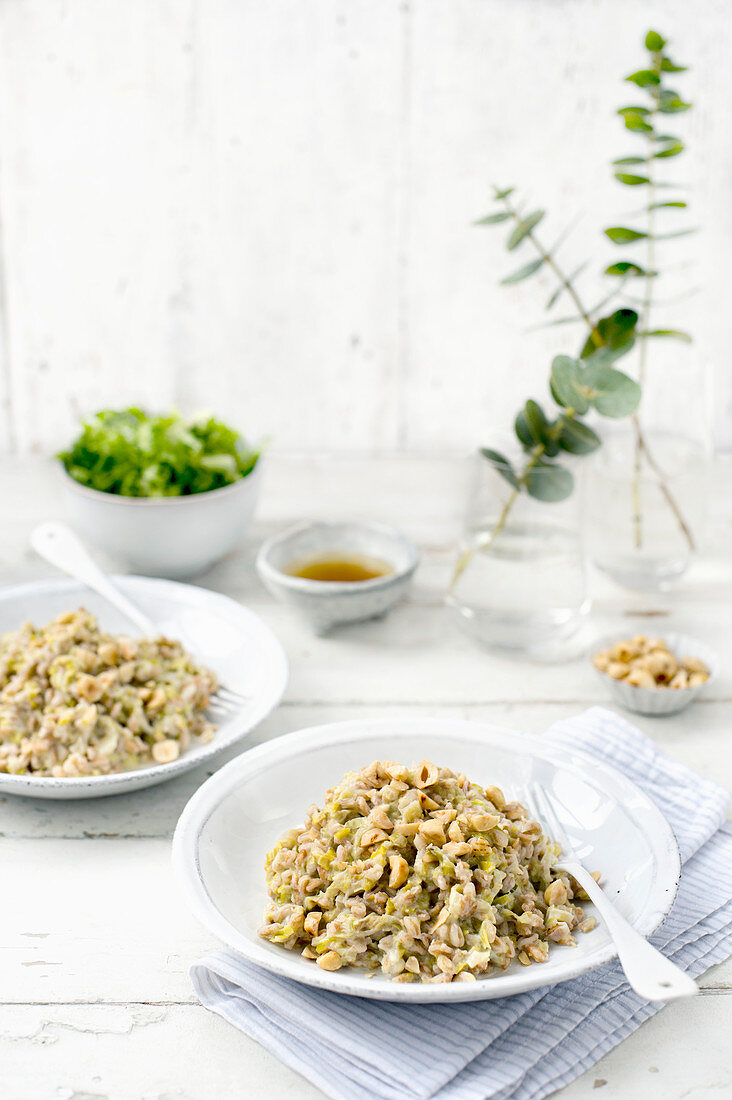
339	568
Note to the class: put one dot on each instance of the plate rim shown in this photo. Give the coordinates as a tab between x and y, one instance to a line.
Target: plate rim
118	782
206	799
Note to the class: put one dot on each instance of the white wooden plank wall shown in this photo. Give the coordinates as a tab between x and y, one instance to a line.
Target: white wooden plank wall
265	208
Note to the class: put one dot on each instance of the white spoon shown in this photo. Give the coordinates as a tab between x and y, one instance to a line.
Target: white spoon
650	973
58	544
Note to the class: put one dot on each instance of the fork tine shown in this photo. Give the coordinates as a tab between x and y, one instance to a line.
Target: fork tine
220	706
548	817
228	694
225	701
527	797
532	804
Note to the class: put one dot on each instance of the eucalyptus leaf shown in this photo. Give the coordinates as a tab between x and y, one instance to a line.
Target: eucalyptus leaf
601	357
548	482
493	219
631	180
536	419
576	319
566	384
671	150
619	327
523	431
540	428
654	42
561	238
554	298
626	267
523	229
678	233
501	465
620	235
662	205
554	392
577	437
674	333
596	310
578	271
523	272
629	160
644	77
617	333
671	103
633	119
614	394
561	289
668	66
504	193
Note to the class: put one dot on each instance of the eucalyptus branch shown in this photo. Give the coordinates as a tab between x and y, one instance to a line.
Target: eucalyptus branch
642	120
575	384
642	445
645	316
614	334
547	257
576	387
487	541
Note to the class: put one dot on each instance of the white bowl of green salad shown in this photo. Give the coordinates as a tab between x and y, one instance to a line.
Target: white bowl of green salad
166	494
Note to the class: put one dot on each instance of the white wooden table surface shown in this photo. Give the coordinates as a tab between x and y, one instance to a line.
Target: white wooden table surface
95	1000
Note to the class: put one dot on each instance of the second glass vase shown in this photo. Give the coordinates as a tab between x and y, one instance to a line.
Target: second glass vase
645	507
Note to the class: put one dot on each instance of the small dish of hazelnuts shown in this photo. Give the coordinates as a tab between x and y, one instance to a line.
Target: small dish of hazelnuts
655	676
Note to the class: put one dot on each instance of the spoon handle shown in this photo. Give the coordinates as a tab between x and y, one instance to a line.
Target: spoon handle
58	544
650	973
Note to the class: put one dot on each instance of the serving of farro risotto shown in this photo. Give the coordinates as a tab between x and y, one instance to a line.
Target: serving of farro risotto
422	874
75	701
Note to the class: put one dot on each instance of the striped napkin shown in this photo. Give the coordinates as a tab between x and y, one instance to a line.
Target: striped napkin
519	1047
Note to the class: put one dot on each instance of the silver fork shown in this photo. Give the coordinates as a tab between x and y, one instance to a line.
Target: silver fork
649	972
58	544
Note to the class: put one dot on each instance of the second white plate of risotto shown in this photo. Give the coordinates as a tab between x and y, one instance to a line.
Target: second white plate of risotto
395	859
88	708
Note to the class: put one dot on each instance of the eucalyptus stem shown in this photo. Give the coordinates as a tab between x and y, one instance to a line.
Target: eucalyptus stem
668	496
564	279
487	541
641	445
645	319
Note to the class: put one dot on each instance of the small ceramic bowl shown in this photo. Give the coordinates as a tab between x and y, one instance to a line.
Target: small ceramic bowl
172	537
326	604
660	701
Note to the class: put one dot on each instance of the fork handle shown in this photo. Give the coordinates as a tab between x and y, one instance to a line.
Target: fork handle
649	972
58	544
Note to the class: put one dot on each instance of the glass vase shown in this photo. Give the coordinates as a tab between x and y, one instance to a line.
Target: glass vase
521	580
644	506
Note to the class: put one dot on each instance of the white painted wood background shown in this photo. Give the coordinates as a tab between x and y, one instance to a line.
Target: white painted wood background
265	208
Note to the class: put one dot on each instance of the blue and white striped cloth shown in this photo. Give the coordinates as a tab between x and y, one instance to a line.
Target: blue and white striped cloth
521	1047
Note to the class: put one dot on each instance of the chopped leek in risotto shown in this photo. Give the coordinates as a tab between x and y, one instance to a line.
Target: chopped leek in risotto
422	874
75	701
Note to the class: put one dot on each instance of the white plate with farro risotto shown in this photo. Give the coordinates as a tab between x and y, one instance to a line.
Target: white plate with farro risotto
90	708
395	859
